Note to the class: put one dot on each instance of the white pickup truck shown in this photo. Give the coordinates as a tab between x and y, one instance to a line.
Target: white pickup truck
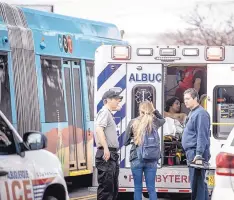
27	171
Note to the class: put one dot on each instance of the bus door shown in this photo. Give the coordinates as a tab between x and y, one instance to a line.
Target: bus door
5	92
144	82
220	104
77	149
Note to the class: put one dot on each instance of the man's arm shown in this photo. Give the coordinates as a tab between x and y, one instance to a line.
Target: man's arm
202	130
101	124
197	80
197	84
101	136
160	118
179	116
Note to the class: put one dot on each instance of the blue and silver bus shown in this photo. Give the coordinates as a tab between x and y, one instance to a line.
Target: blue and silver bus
47	79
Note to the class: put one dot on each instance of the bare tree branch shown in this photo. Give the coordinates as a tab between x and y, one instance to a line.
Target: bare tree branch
199	32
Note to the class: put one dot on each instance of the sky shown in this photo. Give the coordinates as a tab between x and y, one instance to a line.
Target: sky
141	20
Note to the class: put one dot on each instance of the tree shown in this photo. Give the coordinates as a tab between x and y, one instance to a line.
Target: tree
203	29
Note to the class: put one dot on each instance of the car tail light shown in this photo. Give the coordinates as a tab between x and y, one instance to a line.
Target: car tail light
225	164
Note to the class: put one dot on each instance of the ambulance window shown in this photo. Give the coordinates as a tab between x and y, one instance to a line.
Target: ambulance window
141	93
90	84
223	111
53	90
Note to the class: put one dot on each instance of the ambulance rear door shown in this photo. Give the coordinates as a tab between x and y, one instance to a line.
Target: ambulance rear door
220	104
144	82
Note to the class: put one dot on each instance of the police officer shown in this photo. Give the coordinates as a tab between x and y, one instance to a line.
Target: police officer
106	158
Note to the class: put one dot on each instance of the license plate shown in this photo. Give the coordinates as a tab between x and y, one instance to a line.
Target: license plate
211	181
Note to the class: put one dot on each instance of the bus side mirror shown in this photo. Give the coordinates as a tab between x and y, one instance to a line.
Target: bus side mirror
35	140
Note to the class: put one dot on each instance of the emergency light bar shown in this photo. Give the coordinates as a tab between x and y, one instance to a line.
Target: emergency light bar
145	52
214	53
190	52
167	52
121	52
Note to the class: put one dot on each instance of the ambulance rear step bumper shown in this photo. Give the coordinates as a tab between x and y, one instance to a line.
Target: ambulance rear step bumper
158	190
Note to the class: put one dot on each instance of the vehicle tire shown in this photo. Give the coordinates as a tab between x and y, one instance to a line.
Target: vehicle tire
125	195
180	196
146	195
50	198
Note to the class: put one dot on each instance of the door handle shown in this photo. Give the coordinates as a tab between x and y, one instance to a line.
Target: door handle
3	173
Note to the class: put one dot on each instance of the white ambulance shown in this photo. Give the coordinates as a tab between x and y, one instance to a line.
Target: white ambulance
27	172
153	73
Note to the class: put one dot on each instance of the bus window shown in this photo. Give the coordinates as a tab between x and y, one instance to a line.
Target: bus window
223	117
53	90
141	93
5	97
90	82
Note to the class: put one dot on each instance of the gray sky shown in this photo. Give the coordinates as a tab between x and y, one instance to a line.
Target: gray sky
140	19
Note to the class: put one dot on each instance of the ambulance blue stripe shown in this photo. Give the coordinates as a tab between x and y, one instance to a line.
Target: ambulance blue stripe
120	114
106	73
121	84
122	163
121	139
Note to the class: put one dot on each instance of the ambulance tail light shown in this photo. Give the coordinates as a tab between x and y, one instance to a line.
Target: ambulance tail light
214	53
121	52
225	164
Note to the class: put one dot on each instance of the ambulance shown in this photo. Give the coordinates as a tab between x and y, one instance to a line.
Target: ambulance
27	171
153	73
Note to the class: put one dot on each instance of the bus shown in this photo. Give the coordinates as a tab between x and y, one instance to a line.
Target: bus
47	79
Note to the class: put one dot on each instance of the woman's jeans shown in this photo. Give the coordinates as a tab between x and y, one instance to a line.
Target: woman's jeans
149	169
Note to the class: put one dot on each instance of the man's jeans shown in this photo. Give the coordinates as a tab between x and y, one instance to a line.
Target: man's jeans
149	170
197	179
198	185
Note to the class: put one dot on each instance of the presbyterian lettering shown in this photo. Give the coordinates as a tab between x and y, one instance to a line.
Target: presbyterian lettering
145	77
167	178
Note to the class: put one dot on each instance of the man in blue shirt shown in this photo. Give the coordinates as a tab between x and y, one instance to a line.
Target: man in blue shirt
196	143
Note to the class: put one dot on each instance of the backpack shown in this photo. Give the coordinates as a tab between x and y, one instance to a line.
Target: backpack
149	150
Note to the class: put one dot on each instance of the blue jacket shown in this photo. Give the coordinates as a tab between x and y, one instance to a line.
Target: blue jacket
196	134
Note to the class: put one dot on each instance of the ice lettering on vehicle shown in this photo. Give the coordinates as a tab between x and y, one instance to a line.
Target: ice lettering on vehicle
19	190
20	187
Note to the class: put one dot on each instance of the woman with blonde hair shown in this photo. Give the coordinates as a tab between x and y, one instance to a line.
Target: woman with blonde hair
145	150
